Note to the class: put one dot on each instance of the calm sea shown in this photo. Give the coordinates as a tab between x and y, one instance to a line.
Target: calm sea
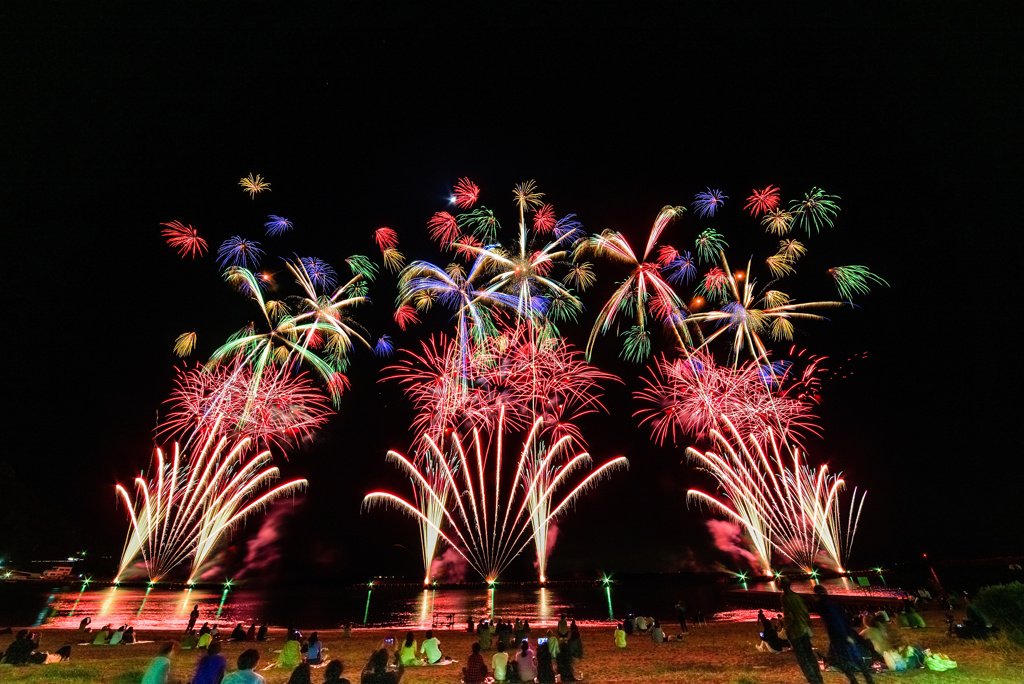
325	607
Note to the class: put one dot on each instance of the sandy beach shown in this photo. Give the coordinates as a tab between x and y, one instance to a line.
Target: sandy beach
721	652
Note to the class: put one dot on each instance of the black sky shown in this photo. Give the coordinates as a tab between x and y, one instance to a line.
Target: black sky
118	117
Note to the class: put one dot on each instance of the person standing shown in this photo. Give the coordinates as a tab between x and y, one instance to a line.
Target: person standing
798	629
681	615
843	649
192	617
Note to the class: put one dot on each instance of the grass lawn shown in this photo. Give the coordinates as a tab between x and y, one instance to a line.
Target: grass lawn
719	653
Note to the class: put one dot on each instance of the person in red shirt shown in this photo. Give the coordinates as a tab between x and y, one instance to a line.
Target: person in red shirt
475	669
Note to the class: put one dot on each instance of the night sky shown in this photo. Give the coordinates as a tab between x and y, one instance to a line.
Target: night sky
362	116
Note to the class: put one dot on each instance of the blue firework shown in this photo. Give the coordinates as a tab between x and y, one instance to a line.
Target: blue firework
320	272
569	229
277	225
708	202
680	270
238	251
384	346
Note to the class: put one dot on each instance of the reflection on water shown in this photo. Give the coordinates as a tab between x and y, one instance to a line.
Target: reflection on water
328	607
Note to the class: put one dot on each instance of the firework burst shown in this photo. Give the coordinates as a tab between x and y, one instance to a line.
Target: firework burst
465	193
643	288
854	279
708	202
184	238
762	201
238	251
276	225
689	395
286	409
254	185
816	210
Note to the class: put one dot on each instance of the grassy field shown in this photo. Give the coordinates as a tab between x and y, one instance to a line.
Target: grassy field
718	653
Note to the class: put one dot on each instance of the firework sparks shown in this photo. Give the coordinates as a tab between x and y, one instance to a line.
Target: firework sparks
286	409
465	193
784	509
319	333
443	228
386	238
816	210
854	279
708	202
277	225
633	295
321	273
491	512
184	238
544	220
193	501
254	185
238	251
749	312
709	243
184	344
762	201
689	395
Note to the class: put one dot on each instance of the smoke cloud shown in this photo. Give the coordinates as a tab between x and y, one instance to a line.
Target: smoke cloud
728	538
449	567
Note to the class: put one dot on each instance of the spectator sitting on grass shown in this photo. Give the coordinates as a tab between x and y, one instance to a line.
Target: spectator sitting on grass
247	662
475	670
160	667
333	672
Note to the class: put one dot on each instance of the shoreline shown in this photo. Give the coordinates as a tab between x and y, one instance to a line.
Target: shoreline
719	652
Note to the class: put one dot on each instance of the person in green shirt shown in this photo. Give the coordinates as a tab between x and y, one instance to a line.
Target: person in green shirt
798	630
160	667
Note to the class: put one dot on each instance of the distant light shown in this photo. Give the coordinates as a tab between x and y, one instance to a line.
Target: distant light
452	199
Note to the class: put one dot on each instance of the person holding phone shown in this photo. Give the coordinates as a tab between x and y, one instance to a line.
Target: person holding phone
377	671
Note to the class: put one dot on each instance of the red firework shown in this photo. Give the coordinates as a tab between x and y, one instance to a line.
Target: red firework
386	238
692	394
286	409
443	228
467	246
544	220
465	193
666	255
453	392
406	315
762	201
184	238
